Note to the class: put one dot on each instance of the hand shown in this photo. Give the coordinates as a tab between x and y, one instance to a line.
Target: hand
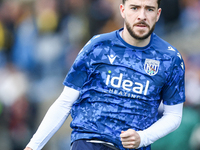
130	139
28	148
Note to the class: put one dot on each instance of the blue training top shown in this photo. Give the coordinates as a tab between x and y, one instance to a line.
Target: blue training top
121	86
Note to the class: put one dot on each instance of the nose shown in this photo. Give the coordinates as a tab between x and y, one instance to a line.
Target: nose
142	15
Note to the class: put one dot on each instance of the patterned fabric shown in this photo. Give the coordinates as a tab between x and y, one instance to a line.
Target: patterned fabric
121	86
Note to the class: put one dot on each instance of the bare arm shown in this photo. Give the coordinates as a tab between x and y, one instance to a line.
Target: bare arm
54	119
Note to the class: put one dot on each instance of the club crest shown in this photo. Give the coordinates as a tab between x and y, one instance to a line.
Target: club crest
151	66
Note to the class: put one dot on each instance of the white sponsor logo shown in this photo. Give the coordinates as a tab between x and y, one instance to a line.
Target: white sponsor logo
111	58
127	85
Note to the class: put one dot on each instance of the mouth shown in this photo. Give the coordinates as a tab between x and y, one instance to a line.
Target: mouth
141	25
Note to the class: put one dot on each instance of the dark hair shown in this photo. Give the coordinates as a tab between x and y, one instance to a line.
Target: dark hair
123	1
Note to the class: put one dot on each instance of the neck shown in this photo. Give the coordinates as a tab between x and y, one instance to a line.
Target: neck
135	42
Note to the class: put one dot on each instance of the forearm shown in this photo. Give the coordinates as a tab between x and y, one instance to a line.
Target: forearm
54	118
168	123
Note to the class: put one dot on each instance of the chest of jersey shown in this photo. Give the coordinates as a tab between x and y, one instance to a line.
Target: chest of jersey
128	73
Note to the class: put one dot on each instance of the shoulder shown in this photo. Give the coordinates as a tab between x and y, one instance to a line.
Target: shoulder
160	43
164	47
98	40
167	52
104	36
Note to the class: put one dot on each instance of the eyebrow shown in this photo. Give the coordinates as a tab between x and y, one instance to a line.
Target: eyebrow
151	7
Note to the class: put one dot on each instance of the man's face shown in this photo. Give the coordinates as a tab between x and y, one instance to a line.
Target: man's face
140	17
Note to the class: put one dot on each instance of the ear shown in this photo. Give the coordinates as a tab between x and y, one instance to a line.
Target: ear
158	14
122	9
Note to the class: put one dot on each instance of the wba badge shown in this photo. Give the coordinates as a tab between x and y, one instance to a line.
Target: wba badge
151	66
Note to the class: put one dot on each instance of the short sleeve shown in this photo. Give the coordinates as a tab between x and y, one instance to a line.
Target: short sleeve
78	73
174	89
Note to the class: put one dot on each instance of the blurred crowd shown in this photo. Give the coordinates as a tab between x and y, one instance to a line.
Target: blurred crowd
39	40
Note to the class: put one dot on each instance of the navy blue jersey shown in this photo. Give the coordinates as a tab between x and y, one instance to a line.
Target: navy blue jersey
121	86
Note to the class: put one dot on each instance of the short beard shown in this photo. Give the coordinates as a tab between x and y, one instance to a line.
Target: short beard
135	36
